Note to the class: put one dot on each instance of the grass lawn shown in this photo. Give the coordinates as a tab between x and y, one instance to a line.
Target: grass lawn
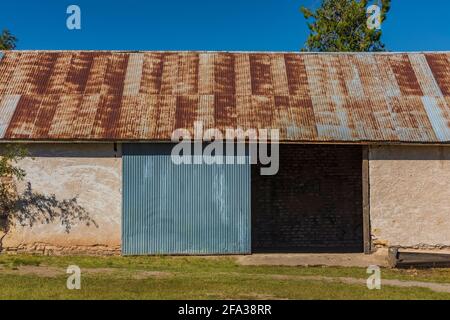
40	277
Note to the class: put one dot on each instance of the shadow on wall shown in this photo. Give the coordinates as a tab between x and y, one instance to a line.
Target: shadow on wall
30	208
410	153
73	150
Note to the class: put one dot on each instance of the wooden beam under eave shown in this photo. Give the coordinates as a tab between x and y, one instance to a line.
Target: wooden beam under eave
366	200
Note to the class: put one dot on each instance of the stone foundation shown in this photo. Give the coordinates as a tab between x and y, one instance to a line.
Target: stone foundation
49	249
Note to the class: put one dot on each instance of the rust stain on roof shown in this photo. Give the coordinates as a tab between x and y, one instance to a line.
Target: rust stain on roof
113	96
440	66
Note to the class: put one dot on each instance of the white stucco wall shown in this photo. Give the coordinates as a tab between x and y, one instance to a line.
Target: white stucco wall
410	196
91	172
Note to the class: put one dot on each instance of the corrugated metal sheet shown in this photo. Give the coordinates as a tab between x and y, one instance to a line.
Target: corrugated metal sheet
183	209
310	97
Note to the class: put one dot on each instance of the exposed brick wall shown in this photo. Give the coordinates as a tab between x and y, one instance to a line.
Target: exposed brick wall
314	203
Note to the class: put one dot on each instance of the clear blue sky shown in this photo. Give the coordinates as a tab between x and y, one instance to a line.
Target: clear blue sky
267	25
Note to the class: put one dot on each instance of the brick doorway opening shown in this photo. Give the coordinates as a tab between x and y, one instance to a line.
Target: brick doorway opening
314	203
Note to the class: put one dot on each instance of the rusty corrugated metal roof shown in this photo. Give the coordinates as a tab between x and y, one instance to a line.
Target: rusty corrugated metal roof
310	97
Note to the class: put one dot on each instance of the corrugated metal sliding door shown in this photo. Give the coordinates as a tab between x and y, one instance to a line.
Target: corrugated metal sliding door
183	209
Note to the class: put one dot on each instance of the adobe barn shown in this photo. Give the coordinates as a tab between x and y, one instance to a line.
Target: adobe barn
364	155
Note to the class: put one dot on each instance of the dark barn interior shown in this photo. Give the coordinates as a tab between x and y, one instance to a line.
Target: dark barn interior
313	204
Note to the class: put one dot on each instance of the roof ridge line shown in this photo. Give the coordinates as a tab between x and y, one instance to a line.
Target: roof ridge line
235	52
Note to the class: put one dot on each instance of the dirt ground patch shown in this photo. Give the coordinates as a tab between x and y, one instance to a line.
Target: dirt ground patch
52	272
140	275
40	271
436	287
308	260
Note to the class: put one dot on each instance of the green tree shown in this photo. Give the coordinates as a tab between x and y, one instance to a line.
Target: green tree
28	208
7	40
341	26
